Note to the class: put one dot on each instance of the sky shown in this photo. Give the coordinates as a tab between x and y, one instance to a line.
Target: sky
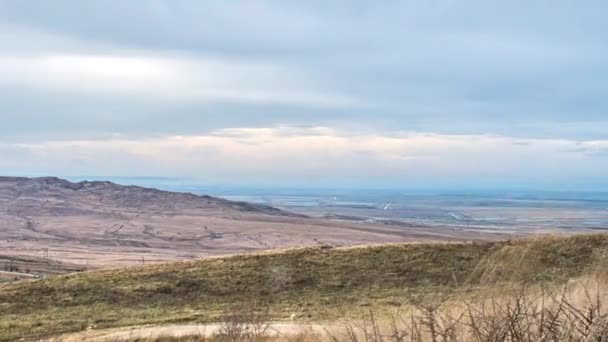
351	93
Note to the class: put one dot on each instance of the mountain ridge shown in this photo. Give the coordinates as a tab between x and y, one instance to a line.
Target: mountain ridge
129	195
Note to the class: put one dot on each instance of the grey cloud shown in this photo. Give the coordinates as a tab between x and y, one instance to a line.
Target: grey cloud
518	68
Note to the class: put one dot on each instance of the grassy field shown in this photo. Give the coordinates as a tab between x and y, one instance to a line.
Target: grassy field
312	284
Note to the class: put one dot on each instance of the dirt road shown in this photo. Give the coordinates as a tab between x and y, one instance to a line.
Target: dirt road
182	330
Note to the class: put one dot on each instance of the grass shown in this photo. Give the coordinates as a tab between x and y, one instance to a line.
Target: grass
313	284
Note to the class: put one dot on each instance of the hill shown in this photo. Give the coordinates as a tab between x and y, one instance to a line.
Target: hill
312	284
52	195
103	224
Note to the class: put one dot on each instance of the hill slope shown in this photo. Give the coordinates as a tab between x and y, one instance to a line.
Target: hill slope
33	196
101	224
312	283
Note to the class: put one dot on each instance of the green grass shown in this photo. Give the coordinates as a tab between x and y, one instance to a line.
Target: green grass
315	283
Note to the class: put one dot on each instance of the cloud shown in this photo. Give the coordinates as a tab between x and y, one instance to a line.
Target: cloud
169	79
188	67
121	87
592	148
289	154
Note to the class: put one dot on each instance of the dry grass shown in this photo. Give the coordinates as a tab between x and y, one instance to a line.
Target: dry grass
311	284
572	312
531	313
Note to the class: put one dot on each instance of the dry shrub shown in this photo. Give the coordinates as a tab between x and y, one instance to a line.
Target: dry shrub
244	325
575	311
572	312
191	338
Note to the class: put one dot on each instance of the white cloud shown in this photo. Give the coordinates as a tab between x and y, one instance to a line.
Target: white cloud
316	154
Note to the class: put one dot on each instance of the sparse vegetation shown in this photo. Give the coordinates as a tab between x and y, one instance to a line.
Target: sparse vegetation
310	284
572	312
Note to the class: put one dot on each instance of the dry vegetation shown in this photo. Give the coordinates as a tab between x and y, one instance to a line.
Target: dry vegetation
571	312
435	292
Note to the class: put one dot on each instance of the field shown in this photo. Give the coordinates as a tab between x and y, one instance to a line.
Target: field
514	212
306	285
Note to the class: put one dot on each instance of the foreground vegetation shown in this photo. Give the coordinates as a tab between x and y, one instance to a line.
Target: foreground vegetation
312	284
567	313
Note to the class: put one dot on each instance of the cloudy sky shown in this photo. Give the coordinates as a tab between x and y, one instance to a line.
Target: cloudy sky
386	93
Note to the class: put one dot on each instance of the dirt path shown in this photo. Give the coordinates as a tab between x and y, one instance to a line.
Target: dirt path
17	274
179	330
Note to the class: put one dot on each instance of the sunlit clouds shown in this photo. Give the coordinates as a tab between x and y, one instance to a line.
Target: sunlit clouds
290	154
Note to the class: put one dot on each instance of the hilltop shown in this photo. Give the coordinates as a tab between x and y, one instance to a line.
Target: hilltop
311	284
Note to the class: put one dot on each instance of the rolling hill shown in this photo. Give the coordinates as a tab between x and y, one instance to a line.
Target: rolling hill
311	284
103	224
